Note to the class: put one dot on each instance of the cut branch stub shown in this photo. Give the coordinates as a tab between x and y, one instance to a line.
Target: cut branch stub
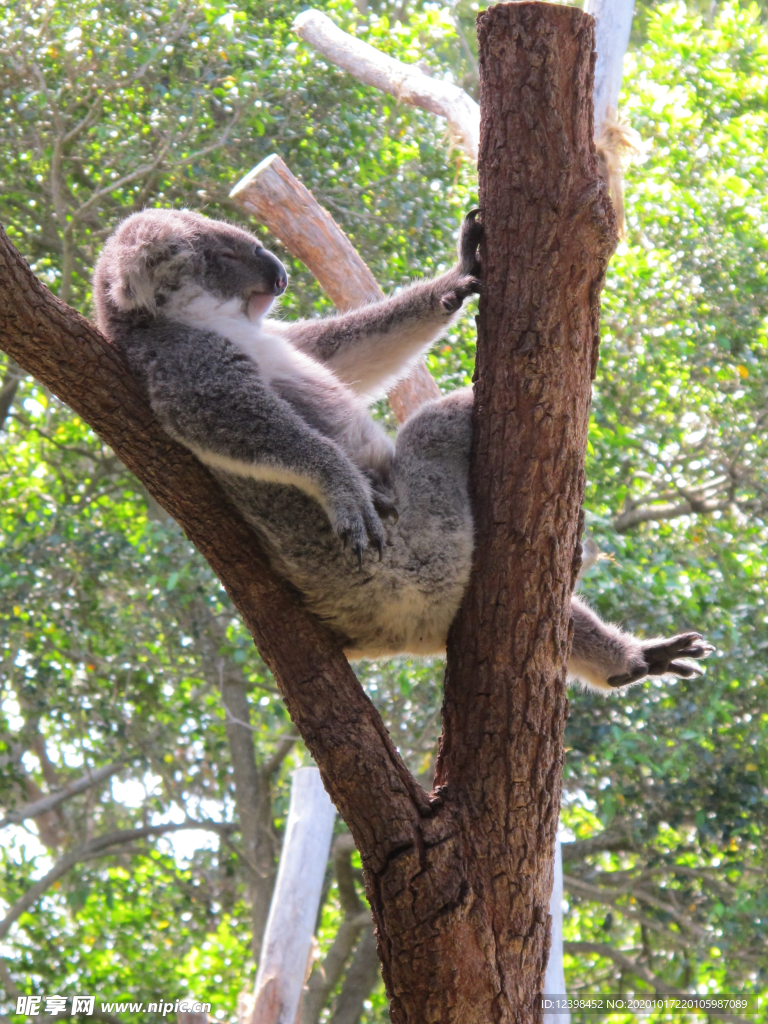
271	193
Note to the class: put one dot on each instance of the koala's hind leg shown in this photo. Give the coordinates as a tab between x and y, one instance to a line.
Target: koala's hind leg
434	552
604	657
430	551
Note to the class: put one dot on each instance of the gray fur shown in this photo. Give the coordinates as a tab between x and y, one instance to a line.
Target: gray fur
376	536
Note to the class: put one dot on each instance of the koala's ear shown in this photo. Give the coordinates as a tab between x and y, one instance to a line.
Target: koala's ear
154	256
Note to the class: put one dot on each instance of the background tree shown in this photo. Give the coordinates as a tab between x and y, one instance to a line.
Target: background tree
120	656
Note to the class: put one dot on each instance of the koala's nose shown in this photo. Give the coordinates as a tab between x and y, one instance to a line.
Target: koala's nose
274	273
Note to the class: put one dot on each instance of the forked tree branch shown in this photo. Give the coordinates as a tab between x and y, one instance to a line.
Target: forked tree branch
459	880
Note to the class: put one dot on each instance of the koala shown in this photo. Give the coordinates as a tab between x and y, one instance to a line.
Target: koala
375	534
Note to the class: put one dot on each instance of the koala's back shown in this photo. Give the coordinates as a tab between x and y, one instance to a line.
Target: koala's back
406	601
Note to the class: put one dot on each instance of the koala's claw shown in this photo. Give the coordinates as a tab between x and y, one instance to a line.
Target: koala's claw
454	299
660	658
464	278
469	239
359	527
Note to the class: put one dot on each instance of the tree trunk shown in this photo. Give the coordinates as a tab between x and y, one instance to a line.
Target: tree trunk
463	914
459	879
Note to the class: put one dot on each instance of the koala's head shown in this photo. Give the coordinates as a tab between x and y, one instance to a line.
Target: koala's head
155	253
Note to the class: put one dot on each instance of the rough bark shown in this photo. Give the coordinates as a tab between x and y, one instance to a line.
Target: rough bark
290	211
458	880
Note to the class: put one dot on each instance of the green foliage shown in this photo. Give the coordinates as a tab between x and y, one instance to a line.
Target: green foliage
114	636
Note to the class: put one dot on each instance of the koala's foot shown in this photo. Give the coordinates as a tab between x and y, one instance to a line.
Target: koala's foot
659	657
467	272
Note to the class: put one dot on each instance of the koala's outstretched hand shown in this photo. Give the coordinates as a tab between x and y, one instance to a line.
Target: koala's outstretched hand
659	657
464	279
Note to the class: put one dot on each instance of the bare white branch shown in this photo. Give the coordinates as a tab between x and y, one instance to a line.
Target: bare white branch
403	81
287	942
613	24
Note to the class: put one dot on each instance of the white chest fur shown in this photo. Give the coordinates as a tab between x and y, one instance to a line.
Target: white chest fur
273	354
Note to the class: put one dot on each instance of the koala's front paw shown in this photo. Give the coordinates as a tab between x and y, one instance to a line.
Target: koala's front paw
466	280
659	657
357	523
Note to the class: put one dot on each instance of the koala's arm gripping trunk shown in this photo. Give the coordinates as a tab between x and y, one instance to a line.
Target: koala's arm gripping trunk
371	347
